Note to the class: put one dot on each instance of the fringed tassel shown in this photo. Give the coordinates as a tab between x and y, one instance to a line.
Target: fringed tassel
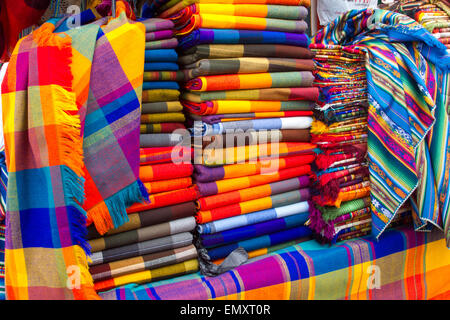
112	213
318	127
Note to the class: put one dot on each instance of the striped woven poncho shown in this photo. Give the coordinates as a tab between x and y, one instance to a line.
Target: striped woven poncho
408	92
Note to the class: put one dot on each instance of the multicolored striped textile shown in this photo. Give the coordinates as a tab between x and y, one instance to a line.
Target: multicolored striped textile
244	207
145	247
235	117
164	76
143	234
161	107
177	154
66	167
237	196
254	217
401	118
263	166
169	271
3	184
2	262
256	137
175	6
162	44
233	155
269	94
242	10
227	185
221	21
43	187
222	51
251	81
167	127
146	262
231	36
253	230
207	67
299	273
150	217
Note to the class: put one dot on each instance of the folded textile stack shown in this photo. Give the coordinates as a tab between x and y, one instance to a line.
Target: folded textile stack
433	15
340	205
248	99
156	243
340	202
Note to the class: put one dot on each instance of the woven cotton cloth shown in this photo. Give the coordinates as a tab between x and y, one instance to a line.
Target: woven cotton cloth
402	121
231	36
222	51
64	163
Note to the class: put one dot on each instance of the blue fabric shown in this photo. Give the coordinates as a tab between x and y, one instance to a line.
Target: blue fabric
148	85
161	55
161	66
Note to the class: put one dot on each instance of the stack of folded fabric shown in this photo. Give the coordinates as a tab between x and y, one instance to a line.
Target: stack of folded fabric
340	204
157	241
248	99
433	15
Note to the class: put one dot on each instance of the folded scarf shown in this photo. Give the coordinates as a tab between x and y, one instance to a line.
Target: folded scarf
233	117
161	44
227	51
243	10
141	248
161	107
220	21
145	262
254	217
150	85
241	208
159	35
149	8
260	242
230	36
254	137
148	218
160	95
158	200
160	66
252	231
263	166
69	145
169	271
150	140
167	127
168	185
161	55
251	81
268	94
233	197
207	67
227	185
176	154
257	124
240	154
177	5
162	117
165	171
164	76
143	234
156	24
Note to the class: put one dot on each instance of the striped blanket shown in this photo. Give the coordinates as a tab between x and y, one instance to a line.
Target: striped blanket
53	160
408	125
299	272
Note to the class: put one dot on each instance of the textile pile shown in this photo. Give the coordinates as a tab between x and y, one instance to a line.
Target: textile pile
56	183
248	99
432	15
407	118
157	241
340	204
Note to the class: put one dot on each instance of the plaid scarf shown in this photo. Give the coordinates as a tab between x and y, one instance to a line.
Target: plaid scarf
71	107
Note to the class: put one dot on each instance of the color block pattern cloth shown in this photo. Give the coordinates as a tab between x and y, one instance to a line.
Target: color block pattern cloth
299	272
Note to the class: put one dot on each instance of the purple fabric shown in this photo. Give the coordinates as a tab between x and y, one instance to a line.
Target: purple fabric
208	174
159	35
